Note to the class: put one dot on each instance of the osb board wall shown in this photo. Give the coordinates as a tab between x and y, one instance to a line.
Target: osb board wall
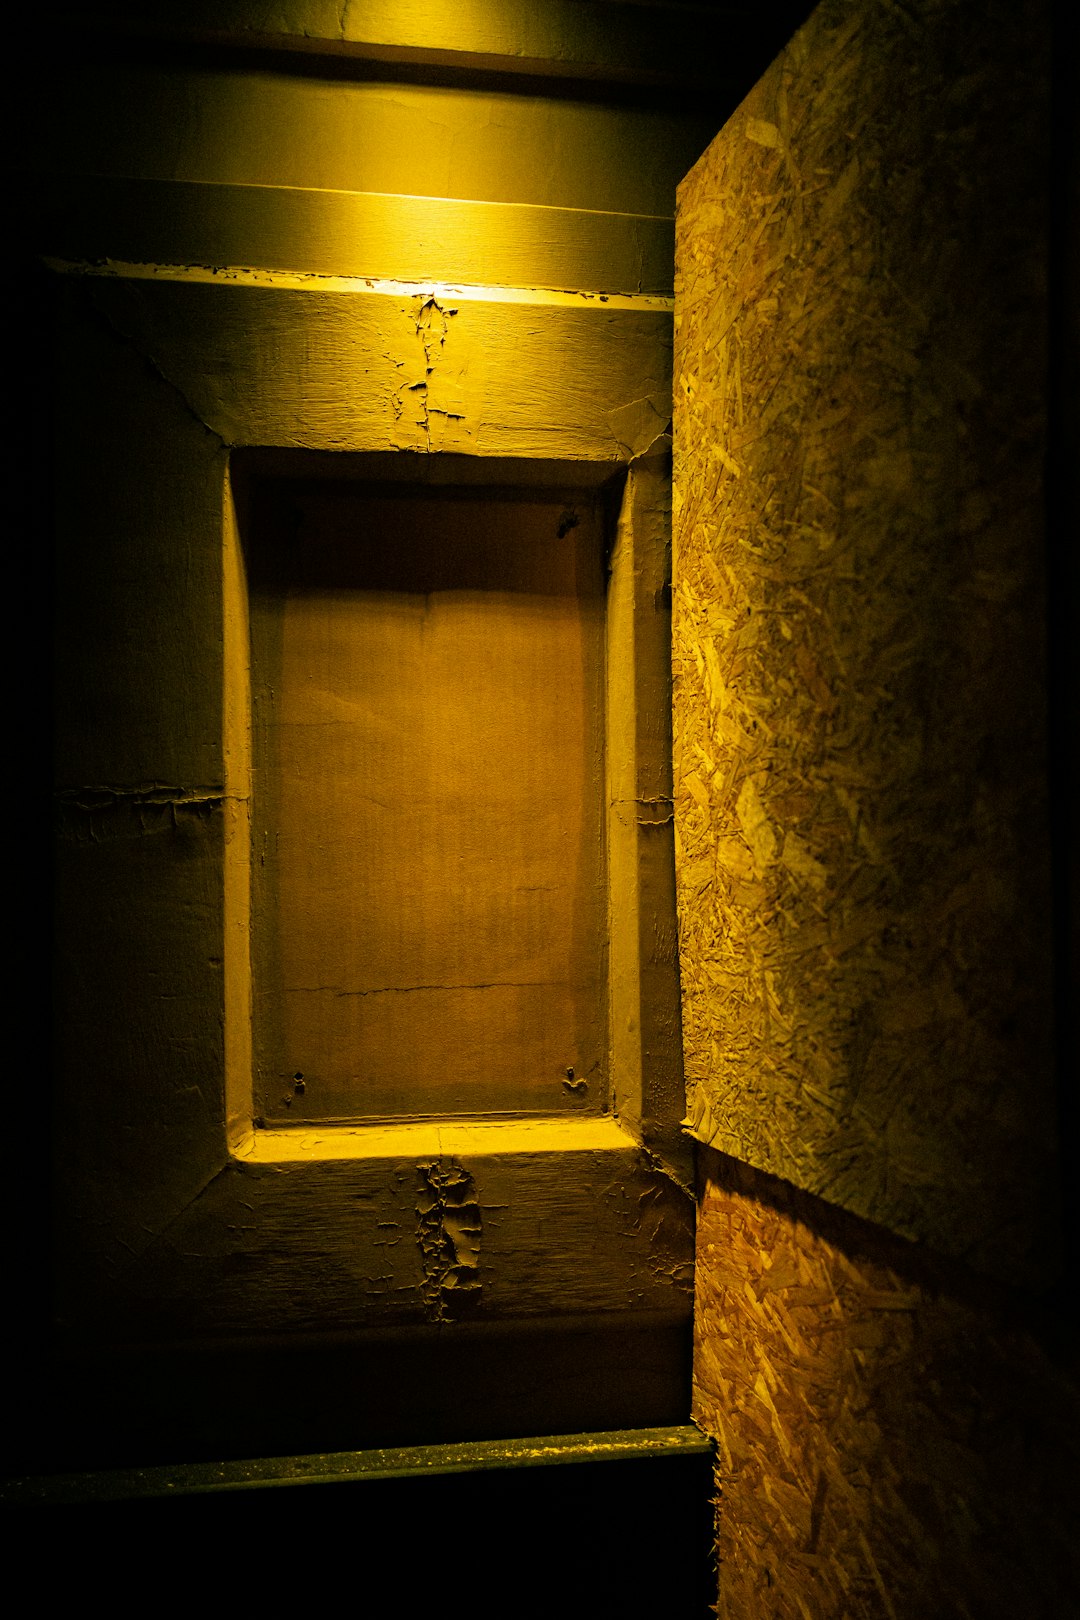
891	1442
429	905
858	613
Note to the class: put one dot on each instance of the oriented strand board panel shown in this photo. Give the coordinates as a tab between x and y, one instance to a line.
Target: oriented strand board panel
892	1443
858	626
429	896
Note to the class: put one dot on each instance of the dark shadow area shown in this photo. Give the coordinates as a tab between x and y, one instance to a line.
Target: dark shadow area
580	1540
170	1404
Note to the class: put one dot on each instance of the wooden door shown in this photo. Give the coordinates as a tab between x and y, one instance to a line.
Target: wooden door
243	1276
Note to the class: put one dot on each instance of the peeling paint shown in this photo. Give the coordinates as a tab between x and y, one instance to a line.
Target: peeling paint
379	286
655	812
448	1232
432	322
96	814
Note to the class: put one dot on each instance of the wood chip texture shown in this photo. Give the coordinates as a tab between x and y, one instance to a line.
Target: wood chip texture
892	1444
859	612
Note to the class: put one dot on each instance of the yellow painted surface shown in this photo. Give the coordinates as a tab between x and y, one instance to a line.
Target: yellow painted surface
264	129
422	289
423	1139
559	33
242	292
428	828
134	226
236	873
361	370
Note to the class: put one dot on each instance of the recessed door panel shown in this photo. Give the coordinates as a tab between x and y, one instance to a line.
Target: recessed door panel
427	695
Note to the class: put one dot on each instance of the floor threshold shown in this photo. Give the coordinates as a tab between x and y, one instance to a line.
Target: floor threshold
352	1467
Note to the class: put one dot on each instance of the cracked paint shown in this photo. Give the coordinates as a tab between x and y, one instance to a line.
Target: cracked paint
448	1232
431	323
377	286
96	814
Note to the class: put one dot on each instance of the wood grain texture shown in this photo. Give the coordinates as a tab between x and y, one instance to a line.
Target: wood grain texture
859	627
892	1441
366	371
324	1246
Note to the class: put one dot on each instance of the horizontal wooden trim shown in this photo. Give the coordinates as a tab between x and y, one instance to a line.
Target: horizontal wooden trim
305	367
561	48
425	1139
338	1468
515	476
241	228
366	286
